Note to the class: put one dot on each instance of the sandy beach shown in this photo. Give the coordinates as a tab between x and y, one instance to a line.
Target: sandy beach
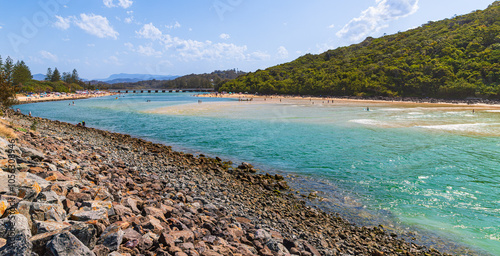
22	98
245	100
410	102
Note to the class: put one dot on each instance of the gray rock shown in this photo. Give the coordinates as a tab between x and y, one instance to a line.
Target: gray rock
33	153
112	237
86	233
51	167
17	231
66	244
262	234
4	144
277	247
14	224
17	245
85	214
49	197
49	226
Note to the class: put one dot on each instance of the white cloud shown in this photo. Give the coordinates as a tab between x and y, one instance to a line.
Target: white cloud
331	26
1	27
129	19
129	45
62	23
176	25
96	25
125	3
376	18
148	50
149	31
108	3
259	56
192	50
145	50
224	36
49	56
282	52
121	3
195	50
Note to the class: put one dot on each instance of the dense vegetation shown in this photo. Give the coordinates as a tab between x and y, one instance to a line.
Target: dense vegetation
189	81
16	78
452	58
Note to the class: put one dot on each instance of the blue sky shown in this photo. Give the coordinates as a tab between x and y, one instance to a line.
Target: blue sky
174	37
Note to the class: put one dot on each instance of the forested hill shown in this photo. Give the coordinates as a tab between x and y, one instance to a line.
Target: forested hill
452	58
188	81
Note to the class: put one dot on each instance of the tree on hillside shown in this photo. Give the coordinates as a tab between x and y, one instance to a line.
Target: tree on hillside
21	73
48	76
1	63
74	76
7	92
7	69
66	77
56	76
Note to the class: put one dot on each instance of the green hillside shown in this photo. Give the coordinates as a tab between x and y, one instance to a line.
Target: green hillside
452	58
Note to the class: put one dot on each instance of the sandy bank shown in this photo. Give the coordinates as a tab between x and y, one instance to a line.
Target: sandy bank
277	99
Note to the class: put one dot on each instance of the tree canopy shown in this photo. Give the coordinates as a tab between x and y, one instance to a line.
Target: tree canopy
452	58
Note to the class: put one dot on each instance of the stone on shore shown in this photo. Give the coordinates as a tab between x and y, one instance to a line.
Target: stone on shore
66	244
16	230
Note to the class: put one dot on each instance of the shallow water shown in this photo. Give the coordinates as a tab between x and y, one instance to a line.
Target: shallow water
431	168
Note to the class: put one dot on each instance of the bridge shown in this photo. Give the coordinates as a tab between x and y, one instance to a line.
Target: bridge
162	90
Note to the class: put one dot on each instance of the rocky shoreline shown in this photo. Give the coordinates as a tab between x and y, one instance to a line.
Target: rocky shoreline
84	191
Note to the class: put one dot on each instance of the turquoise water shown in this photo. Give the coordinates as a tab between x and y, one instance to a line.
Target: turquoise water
427	168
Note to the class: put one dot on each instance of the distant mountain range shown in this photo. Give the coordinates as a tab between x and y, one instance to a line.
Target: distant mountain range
131	78
39	77
121	78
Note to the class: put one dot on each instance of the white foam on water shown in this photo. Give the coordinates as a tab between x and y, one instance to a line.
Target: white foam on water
457	127
367	122
493	111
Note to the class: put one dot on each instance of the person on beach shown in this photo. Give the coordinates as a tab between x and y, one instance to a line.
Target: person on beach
473	111
83	123
30	113
367	109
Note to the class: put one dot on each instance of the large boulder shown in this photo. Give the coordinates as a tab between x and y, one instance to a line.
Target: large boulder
66	244
112	237
15	228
